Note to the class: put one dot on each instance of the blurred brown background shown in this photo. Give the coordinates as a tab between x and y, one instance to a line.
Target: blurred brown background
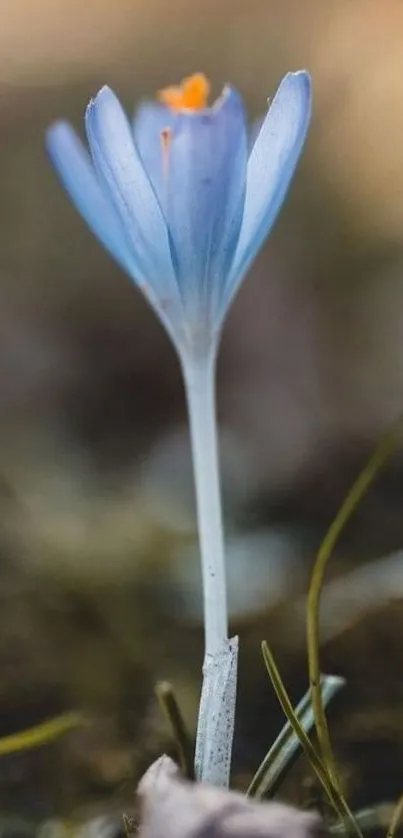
97	545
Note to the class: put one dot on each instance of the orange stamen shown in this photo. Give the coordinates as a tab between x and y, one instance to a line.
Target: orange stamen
166	139
192	94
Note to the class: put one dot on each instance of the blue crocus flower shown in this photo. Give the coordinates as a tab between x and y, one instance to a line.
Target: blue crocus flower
183	199
180	198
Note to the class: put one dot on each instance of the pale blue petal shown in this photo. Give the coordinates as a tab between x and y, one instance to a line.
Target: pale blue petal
271	166
254	131
151	118
205	195
78	176
126	182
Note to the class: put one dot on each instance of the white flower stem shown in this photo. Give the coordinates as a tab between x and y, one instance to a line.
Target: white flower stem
217	705
200	391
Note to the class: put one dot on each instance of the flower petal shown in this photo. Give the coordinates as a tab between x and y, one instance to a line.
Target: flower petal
151	118
77	174
271	165
254	131
126	182
205	194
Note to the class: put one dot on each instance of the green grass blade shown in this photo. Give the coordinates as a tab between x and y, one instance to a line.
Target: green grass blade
396	818
287	747
334	794
381	455
184	747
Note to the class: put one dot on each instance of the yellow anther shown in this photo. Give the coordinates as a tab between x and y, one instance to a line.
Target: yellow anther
192	94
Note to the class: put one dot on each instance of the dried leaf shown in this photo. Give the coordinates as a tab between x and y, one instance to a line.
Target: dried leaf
172	807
